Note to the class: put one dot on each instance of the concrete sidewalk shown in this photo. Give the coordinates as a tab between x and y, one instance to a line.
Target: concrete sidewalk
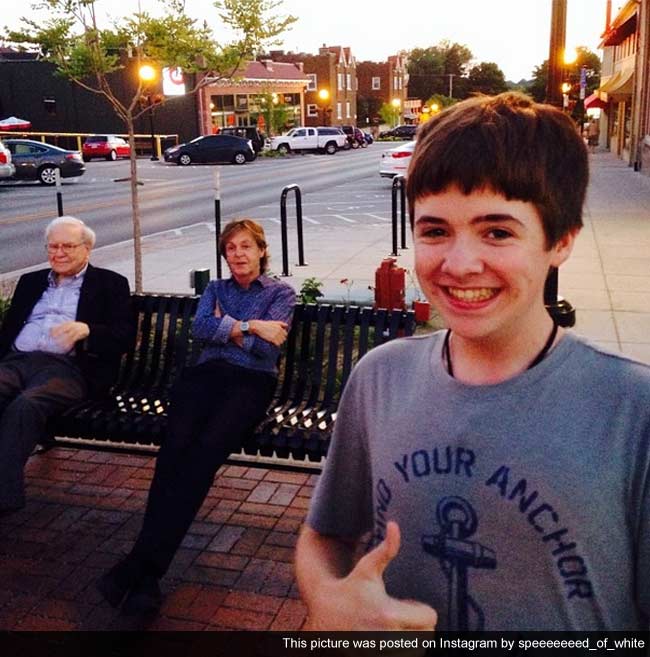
234	570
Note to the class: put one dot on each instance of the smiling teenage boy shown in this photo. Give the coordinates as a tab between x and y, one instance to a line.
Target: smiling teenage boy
500	467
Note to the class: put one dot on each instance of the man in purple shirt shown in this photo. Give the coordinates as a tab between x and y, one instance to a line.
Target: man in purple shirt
62	339
243	321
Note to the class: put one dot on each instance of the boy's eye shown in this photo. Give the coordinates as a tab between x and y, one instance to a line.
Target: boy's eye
499	233
432	232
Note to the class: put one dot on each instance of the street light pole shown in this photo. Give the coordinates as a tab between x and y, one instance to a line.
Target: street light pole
154	155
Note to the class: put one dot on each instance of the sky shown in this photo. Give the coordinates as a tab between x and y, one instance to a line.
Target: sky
512	33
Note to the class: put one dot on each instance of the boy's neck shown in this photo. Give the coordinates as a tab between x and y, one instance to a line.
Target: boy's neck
494	360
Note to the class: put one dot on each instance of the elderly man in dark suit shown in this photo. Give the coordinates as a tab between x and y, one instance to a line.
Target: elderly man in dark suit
61	341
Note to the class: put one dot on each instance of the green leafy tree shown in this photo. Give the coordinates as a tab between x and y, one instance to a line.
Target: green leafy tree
90	56
430	70
486	78
389	114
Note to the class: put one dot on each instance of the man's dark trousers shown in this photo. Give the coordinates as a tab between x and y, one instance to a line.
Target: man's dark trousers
33	387
214	407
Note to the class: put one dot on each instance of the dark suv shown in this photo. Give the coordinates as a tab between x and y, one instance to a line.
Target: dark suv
247	132
400	132
355	137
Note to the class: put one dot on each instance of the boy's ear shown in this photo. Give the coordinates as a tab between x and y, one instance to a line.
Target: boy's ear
561	250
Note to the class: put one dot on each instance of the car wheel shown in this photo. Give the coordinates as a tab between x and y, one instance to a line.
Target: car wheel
364	144
86	158
330	148
112	156
239	158
47	175
283	149
184	159
355	144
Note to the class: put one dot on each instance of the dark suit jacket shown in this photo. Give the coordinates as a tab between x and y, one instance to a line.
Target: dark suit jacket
104	304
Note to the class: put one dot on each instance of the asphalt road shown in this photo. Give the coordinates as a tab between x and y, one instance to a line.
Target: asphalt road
171	196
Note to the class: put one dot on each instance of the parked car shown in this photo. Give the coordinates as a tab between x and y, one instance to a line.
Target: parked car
247	132
396	160
109	147
354	136
324	139
400	131
35	160
212	148
7	169
368	137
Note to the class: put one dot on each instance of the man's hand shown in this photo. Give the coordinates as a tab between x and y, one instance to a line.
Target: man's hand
271	330
359	601
68	333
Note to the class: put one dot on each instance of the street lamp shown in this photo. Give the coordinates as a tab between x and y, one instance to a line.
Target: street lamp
324	96
147	74
396	103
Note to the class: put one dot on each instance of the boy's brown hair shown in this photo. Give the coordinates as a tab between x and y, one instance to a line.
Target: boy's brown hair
255	229
509	144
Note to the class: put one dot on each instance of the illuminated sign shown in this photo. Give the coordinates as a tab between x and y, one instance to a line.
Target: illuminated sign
173	83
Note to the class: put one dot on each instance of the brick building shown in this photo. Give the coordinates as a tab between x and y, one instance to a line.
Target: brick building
331	95
379	83
266	92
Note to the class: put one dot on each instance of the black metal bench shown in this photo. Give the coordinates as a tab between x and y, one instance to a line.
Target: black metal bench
323	345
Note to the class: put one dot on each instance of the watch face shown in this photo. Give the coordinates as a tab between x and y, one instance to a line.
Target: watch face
244	327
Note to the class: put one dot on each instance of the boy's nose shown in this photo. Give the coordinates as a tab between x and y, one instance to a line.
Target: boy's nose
462	260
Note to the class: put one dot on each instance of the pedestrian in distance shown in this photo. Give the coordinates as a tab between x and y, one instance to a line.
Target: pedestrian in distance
500	467
60	342
214	406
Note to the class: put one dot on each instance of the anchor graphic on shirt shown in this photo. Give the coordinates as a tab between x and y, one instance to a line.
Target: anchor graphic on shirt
457	521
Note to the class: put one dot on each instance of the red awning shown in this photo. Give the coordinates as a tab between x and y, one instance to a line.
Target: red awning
594	101
14	123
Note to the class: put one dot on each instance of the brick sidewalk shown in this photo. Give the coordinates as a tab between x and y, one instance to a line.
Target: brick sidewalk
233	571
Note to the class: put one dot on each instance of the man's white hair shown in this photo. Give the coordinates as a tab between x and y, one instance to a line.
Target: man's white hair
87	233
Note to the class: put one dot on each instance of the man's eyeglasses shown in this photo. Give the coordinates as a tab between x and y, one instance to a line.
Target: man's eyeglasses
66	247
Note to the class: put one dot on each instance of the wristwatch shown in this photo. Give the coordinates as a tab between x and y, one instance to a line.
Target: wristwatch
244	327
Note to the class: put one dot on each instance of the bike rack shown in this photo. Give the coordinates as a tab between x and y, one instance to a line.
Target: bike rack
283	228
399	183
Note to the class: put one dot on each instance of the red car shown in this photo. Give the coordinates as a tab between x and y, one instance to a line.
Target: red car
109	147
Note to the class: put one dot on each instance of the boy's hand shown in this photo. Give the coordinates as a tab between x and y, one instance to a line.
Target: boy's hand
360	602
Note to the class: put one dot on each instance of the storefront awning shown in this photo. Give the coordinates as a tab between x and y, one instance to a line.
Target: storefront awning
595	102
620	84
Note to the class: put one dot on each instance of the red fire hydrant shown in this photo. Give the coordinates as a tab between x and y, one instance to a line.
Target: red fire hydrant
390	284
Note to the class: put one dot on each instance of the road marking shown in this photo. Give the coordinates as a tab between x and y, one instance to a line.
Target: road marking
310	220
340	216
376	216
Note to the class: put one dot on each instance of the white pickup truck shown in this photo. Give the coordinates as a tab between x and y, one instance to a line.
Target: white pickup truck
327	140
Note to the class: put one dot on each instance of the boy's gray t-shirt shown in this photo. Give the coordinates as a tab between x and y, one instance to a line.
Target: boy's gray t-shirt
522	505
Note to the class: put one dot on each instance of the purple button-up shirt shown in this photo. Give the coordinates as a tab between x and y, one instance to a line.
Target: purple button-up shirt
265	298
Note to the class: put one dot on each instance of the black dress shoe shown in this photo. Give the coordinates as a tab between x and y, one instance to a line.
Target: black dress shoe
118	581
145	597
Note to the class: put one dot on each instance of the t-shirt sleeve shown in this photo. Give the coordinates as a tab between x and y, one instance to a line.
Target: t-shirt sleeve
342	502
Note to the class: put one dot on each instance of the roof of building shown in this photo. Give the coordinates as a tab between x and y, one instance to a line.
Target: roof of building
270	70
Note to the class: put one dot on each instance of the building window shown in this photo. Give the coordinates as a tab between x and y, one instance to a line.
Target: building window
347	109
340	81
399	83
376	83
395	83
349	81
49	103
312	109
313	82
339	110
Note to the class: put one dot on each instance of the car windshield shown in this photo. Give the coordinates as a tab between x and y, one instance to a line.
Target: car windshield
96	138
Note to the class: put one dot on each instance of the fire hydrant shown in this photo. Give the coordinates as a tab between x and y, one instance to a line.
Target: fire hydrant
390	285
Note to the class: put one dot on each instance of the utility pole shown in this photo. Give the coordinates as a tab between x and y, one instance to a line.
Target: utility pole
451	84
560	309
557	45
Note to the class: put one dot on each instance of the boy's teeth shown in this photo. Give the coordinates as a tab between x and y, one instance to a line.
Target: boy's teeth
475	294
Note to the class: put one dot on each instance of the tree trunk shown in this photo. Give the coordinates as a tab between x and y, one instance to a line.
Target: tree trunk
135	205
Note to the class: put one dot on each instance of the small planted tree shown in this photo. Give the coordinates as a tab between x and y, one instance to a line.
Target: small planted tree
90	55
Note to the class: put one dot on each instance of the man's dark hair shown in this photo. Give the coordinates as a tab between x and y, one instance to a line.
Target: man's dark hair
512	145
256	231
